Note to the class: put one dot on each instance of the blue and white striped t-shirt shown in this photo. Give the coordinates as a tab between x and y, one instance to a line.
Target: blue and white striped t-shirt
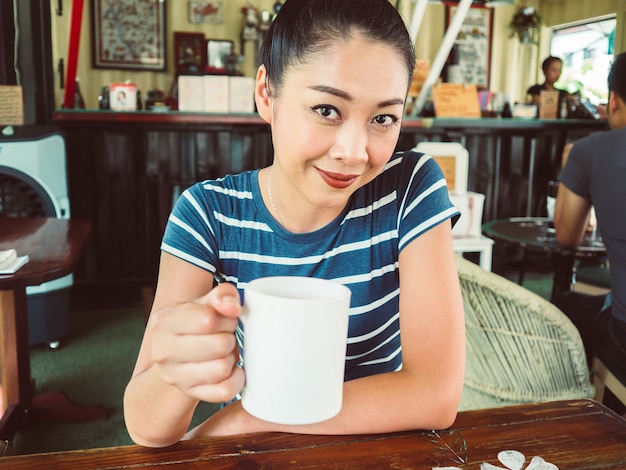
223	226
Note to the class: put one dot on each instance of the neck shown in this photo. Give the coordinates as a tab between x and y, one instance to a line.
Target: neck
299	215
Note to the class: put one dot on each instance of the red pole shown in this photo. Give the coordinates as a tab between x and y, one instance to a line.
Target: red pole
72	52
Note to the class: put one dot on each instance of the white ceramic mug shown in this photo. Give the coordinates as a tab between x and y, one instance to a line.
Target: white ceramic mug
295	336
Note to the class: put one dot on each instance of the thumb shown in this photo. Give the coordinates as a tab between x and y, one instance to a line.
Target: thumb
225	300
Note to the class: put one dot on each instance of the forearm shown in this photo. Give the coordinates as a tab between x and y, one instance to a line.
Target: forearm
392	402
157	414
377	404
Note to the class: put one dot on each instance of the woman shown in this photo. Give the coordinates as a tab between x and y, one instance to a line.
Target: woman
337	204
551	68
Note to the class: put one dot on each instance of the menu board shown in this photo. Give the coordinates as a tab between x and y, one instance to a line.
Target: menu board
456	100
548	104
420	74
447	163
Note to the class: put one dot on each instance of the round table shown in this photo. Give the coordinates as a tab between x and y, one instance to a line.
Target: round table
537	234
54	247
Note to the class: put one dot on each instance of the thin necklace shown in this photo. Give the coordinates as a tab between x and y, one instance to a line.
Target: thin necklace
269	191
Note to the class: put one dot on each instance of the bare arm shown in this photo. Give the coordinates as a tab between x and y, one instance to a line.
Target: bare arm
425	394
571	213
188	354
571	216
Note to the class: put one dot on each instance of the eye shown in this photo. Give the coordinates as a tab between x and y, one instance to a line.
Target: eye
385	120
327	112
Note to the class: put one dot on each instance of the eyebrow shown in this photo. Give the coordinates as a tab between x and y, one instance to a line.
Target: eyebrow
346	96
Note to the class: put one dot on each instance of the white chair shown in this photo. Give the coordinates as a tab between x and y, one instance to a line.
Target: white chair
453	159
520	347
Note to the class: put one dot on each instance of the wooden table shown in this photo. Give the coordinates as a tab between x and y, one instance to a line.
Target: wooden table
53	247
537	234
573	435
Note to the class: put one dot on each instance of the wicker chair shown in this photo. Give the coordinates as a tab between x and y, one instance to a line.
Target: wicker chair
520	347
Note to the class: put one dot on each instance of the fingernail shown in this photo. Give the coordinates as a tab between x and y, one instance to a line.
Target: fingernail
229	299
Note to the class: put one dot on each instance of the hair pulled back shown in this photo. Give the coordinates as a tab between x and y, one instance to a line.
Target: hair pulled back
305	27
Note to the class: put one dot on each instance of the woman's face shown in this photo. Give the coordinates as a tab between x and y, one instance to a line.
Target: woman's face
553	71
336	121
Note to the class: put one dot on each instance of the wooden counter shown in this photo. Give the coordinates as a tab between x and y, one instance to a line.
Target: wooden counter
126	168
570	435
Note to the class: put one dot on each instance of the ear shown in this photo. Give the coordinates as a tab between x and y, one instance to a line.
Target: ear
262	95
614	103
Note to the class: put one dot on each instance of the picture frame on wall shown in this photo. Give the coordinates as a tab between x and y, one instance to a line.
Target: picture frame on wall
190	52
129	34
218	51
203	11
473	44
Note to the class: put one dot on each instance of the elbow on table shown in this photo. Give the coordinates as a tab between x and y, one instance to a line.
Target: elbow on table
441	412
148	436
446	414
566	239
152	441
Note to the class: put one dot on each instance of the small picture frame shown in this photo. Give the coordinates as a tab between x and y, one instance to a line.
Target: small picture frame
474	43
189	53
218	51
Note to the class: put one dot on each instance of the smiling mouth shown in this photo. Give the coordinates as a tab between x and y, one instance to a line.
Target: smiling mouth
337	180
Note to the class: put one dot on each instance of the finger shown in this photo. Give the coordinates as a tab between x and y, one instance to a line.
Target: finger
221	392
193	348
224	299
191	318
212	381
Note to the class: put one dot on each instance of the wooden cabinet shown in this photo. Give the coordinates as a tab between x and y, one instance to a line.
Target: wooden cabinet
125	170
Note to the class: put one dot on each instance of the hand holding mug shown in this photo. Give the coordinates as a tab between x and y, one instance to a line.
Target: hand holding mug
194	347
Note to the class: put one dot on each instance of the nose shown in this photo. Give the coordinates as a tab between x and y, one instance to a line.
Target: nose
350	145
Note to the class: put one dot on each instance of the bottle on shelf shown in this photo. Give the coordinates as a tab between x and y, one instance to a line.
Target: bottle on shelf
139	102
103	98
79	102
563	108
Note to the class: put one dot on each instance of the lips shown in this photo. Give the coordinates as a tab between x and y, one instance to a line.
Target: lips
337	180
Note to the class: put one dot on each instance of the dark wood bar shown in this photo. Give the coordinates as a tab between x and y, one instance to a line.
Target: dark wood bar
510	160
574	434
126	168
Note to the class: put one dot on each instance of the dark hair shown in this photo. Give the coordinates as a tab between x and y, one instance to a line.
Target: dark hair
303	27
548	62
617	76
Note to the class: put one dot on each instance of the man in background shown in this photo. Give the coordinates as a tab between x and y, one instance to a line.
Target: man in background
594	176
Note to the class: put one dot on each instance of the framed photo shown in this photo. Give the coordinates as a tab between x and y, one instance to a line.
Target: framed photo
218	51
189	52
474	44
129	34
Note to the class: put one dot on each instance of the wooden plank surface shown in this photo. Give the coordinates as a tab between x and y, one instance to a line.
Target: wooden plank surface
573	435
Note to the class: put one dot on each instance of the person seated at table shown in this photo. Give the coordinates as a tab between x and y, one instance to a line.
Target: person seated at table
593	176
551	68
336	203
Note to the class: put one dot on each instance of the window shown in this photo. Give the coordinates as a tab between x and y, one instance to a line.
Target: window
587	52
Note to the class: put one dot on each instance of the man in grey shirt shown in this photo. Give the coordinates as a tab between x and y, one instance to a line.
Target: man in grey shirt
594	175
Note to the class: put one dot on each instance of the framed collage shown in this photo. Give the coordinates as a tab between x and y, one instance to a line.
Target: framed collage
128	34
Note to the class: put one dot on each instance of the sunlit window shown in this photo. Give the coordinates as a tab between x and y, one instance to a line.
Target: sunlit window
587	52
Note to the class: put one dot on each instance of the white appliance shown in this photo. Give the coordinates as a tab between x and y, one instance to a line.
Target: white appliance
33	183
